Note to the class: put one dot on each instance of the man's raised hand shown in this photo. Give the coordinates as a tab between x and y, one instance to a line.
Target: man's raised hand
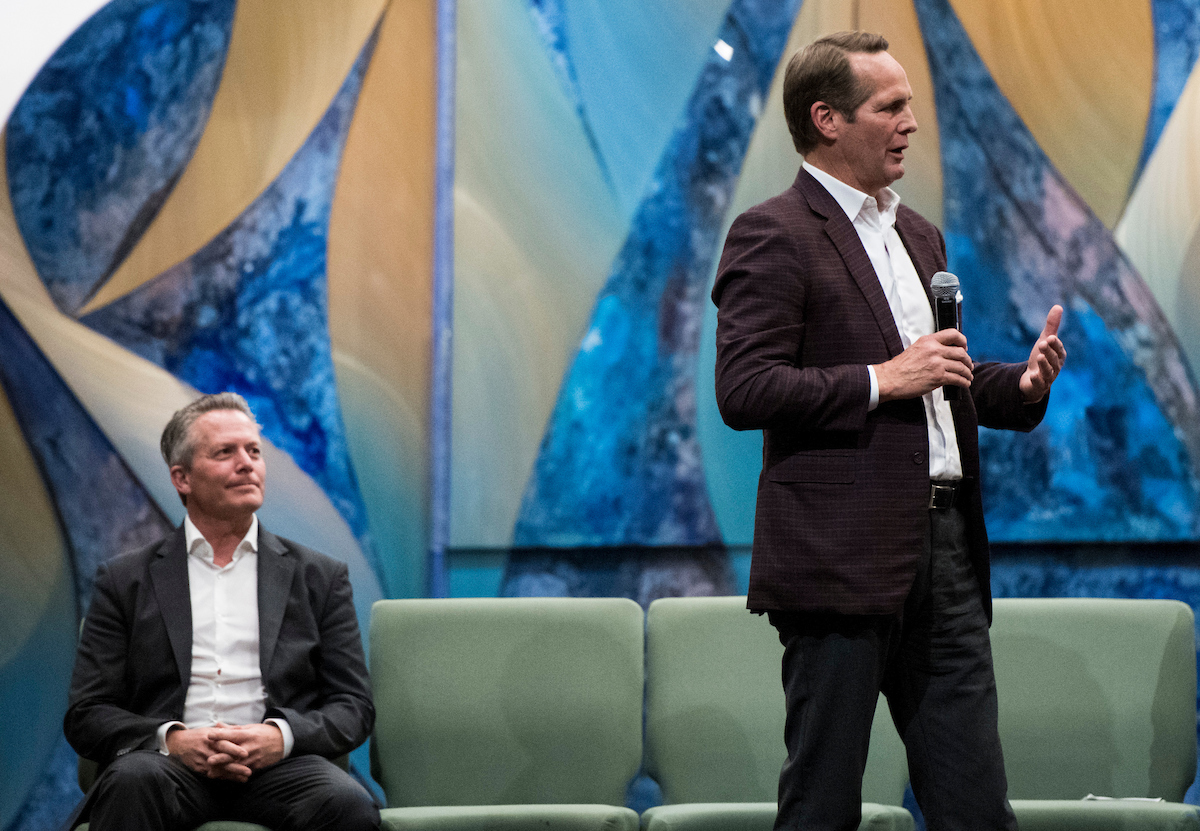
1045	360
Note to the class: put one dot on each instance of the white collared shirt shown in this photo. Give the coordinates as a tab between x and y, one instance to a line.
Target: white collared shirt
226	682
875	222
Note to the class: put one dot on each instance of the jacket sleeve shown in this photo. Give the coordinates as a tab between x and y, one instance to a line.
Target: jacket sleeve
97	724
335	714
998	401
762	299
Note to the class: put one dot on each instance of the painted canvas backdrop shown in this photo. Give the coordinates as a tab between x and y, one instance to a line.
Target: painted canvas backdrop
235	195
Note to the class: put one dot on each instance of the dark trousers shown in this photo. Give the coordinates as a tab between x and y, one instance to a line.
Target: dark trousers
933	661
145	789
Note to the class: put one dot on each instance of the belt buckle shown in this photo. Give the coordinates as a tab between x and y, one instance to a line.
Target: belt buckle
941	495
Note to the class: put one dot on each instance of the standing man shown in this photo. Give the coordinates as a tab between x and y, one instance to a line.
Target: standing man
220	669
870	553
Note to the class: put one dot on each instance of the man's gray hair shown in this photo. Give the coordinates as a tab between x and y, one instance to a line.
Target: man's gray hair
178	445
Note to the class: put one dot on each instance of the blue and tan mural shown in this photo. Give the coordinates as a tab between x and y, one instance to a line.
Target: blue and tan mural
232	195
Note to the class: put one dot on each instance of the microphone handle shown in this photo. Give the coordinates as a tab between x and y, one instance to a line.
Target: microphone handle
947	318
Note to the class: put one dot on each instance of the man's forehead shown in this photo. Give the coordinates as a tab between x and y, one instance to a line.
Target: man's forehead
878	69
225	421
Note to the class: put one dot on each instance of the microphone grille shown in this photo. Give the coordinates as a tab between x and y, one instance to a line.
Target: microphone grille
944	285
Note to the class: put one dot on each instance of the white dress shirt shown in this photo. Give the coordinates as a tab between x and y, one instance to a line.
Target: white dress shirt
875	222
226	682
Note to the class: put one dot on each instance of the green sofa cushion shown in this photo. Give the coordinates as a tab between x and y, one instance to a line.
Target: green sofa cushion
511	818
1118	815
758	816
219	825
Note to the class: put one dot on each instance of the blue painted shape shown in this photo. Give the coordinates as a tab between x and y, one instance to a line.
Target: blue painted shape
56	792
99	139
249	313
1117	456
102	507
441	361
620	463
550	17
629	68
641	573
1176	48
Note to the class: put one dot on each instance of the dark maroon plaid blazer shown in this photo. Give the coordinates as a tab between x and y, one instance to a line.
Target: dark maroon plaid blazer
842	512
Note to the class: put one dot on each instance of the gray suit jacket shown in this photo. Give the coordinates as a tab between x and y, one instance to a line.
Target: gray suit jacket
134	659
843	498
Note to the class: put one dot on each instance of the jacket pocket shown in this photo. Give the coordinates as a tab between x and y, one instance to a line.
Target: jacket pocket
828	466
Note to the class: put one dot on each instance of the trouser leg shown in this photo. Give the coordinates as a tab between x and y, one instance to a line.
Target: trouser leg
145	789
305	792
941	690
832	668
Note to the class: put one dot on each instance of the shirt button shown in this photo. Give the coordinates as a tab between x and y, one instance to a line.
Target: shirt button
918	458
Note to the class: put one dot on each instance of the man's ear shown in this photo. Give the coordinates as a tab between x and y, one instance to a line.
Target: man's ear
823	119
179	478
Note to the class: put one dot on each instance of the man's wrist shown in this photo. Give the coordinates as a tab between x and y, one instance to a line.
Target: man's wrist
289	739
163	730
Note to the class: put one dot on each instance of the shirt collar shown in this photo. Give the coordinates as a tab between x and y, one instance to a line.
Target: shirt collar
198	546
852	200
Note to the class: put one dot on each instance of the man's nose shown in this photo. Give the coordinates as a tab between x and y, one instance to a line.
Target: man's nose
908	124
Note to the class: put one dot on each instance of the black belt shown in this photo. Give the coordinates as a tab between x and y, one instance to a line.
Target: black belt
942	495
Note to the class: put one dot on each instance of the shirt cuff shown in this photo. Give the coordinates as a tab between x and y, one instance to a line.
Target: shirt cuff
163	729
873	401
289	740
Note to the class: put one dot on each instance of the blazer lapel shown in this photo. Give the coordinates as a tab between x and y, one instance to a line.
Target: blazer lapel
168	573
275	571
841	231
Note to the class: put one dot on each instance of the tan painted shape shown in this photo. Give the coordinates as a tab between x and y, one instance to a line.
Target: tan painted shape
1080	75
286	61
33	555
921	187
1161	225
1186	308
380	267
380	250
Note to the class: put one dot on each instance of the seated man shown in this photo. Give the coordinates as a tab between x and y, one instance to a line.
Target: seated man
220	669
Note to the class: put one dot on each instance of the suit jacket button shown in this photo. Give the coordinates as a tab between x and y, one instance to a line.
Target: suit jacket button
918	458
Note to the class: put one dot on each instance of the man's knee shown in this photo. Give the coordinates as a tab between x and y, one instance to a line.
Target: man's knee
348	808
136	771
145	789
310	792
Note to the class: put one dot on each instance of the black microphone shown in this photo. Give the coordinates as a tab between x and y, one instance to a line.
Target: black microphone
947	312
